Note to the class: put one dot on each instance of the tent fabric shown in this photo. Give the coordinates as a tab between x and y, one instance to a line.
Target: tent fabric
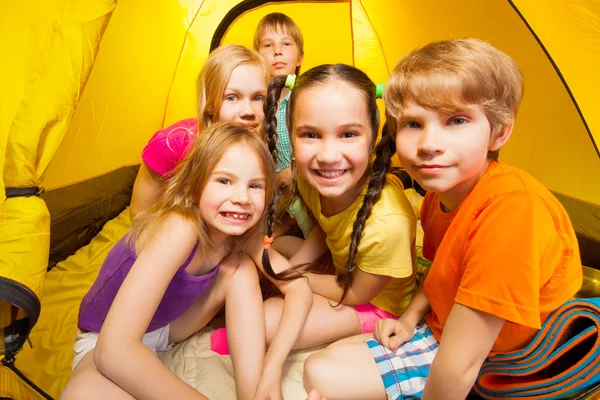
52	46
78	212
90	82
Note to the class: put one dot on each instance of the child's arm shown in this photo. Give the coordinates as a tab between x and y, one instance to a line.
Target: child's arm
467	340
391	333
365	286
385	251
120	354
313	247
145	188
298	300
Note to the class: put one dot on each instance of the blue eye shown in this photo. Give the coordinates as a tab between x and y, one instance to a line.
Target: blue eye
412	125
458	121
231	98
259	98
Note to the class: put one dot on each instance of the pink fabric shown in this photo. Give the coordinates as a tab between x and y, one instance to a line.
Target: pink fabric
218	342
368	314
169	146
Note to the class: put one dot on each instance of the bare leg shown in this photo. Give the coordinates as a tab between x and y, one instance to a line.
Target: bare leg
89	383
324	324
236	285
346	371
246	328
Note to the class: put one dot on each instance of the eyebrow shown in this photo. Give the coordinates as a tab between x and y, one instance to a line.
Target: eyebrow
232	175
344	126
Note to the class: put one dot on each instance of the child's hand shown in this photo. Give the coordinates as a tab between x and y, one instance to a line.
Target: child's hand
392	333
269	386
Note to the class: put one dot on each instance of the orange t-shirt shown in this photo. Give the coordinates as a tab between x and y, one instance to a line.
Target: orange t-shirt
509	250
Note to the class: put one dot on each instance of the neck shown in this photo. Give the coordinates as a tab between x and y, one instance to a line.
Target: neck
284	93
452	198
219	239
334	205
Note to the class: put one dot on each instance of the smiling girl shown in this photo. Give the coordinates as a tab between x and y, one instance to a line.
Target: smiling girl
363	216
172	272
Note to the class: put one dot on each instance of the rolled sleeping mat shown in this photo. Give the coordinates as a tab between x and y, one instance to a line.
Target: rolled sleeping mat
563	360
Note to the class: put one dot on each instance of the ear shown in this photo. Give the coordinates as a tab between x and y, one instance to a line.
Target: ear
502	136
300	59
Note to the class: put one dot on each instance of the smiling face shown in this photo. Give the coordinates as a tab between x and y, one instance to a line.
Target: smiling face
445	152
281	52
244	97
331	134
233	200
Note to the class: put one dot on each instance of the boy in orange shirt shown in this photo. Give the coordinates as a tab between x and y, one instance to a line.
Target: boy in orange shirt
503	248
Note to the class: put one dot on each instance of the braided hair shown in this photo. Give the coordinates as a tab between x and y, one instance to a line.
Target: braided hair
270	109
375	175
381	166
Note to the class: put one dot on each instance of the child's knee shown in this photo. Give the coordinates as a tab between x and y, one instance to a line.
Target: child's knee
316	370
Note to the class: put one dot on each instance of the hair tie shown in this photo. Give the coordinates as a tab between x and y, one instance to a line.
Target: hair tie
351	268
290	81
267	241
379	90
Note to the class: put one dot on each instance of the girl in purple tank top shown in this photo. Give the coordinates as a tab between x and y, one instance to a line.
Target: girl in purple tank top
196	248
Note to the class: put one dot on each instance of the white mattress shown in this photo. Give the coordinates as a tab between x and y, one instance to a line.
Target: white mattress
212	374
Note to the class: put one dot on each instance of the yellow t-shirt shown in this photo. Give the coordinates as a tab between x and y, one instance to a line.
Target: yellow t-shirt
387	246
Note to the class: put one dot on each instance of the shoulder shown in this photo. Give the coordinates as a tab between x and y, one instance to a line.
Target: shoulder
515	189
393	202
176	230
168	146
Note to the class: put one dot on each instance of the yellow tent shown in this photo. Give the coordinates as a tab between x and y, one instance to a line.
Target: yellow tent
85	84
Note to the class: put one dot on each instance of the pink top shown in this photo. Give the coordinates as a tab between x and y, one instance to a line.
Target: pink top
169	146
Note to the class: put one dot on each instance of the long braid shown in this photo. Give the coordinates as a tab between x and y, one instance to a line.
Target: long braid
270	109
381	166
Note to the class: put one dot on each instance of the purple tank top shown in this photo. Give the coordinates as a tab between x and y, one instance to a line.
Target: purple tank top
181	293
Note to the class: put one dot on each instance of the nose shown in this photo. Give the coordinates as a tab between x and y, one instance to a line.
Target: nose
429	142
240	194
328	153
246	109
278	50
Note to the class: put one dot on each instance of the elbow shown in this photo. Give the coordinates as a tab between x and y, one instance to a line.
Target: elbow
298	291
108	358
355	299
105	359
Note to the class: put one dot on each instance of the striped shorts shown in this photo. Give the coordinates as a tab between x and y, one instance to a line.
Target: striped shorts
405	371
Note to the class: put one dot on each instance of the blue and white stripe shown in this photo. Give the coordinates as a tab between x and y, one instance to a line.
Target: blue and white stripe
405	371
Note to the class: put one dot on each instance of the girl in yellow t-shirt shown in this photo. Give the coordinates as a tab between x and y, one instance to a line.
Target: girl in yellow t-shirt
363	216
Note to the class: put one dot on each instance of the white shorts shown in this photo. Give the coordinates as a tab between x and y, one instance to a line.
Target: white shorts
157	340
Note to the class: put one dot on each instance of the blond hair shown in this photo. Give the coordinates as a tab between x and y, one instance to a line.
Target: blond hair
449	75
215	75
181	193
279	22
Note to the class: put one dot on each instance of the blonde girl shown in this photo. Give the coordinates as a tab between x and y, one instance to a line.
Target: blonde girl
170	275
231	87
